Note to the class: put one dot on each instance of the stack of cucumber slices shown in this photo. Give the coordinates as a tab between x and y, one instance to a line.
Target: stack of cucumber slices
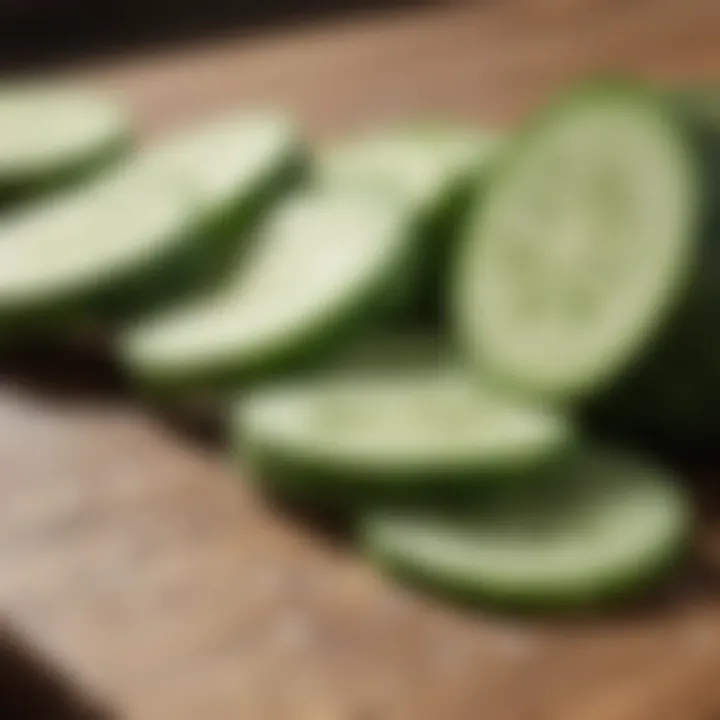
469	344
165	223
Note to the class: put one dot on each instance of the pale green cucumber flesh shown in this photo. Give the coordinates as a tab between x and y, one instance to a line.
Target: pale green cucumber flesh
398	427
51	136
419	165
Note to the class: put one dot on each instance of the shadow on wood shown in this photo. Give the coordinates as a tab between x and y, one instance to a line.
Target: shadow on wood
31	688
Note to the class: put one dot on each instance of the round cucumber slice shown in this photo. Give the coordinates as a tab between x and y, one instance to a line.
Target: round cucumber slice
51	136
394	432
610	528
323	265
585	245
166	221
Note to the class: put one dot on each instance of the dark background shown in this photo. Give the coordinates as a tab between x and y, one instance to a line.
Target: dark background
40	33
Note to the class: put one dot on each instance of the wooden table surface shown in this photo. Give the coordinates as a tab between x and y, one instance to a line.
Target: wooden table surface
135	559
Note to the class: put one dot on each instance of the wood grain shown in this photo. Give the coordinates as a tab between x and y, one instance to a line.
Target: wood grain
137	560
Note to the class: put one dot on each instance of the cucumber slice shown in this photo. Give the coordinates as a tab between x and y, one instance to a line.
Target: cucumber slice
324	265
436	170
586	244
418	164
165	222
610	528
394	433
52	136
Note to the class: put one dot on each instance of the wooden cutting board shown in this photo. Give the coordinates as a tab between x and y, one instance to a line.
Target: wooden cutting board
134	558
